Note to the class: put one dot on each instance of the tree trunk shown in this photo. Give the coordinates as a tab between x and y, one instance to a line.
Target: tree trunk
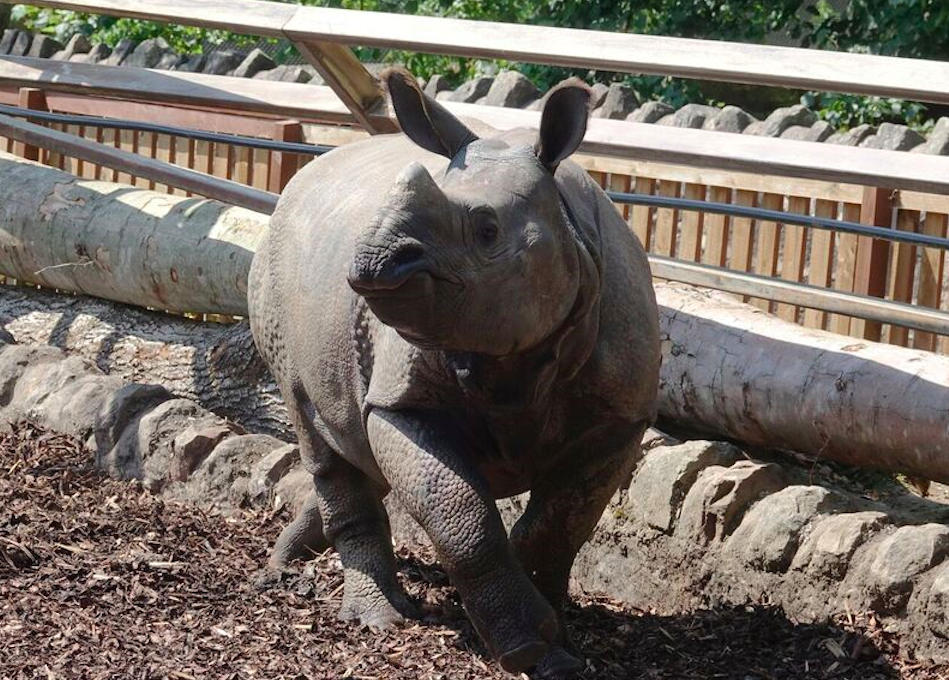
124	244
733	370
728	369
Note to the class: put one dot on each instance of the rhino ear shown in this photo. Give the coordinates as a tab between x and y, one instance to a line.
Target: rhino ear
425	121
563	123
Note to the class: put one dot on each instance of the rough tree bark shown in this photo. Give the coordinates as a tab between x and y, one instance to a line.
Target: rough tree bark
728	369
125	244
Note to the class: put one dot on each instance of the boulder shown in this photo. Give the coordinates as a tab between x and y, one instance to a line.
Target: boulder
781	119
894	138
937	143
511	89
598	94
8	40
194	64
935	614
221	62
285	74
254	63
44	47
769	535
170	61
818	132
729	119
21	44
620	101
690	116
897	560
830	546
123	407
98	53
436	84
470	91
665	476
148	53
194	444
853	137
292	490
650	112
120	53
715	504
270	469
78	44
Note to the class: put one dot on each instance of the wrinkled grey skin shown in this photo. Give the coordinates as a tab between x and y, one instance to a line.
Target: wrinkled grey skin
457	331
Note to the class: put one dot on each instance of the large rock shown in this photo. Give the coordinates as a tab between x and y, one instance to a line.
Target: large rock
286	74
98	53
933	613
124	407
471	91
78	44
194	63
8	40
729	119
898	559
937	143
227	474
781	119
148	53
270	469
650	112
254	63
830	546
666	475
894	138
21	44
196	443
690	116
852	137
170	61
511	89
620	101
598	94
437	83
44	47
123	50
769	535
221	62
715	504
818	132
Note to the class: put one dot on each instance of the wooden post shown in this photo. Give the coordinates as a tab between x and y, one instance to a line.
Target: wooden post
283	166
873	256
35	100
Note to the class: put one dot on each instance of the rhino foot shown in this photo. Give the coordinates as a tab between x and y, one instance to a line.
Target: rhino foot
559	664
376	608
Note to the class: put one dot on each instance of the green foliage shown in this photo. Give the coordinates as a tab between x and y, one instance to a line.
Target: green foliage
845	111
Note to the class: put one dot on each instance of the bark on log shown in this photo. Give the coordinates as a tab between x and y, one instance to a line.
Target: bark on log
125	244
729	369
735	371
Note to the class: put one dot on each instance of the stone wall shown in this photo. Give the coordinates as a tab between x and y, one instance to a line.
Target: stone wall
508	88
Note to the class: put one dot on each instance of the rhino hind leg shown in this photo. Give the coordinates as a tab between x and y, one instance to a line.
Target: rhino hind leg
303	538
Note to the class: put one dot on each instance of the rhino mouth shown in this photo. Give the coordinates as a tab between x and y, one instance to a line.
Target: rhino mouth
406	273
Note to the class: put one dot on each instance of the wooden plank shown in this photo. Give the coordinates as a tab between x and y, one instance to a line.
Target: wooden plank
34	99
353	84
229	192
642	215
241	164
715	251
261	173
791	294
283	165
165	152
768	246
792	259
621	139
844	272
931	270
742	234
690	241
667	220
902	272
820	266
873	257
628	53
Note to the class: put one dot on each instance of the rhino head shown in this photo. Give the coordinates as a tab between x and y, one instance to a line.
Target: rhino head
482	258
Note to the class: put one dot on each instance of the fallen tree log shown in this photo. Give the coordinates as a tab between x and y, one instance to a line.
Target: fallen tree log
125	244
729	369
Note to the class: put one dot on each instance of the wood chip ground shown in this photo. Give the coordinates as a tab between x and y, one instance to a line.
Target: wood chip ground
100	579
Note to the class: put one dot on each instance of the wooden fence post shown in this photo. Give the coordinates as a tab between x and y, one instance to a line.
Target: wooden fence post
283	166
873	256
35	100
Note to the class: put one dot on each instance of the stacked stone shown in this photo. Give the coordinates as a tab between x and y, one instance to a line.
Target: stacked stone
507	89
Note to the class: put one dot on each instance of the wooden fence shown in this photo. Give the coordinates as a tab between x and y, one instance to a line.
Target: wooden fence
901	191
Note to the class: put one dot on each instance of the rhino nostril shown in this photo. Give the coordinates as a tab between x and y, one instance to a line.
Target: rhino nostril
407	256
389	272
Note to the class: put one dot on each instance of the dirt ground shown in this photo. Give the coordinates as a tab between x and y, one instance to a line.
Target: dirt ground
99	579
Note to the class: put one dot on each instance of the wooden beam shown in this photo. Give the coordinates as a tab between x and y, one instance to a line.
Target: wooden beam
800	294
138	166
873	256
612	138
920	80
353	84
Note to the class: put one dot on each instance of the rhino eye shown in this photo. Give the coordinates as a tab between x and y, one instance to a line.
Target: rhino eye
485	229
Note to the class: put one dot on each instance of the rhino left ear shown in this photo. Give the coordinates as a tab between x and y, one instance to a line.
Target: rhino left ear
425	121
563	123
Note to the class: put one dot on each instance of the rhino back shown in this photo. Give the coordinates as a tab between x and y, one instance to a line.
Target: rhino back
305	317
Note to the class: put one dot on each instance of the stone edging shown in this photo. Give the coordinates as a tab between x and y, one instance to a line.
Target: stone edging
700	523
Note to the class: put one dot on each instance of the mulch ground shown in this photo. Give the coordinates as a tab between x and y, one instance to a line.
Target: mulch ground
100	579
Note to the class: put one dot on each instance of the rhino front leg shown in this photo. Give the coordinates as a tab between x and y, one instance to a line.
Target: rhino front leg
427	464
563	510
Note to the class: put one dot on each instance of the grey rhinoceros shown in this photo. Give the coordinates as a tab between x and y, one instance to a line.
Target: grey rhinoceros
456	320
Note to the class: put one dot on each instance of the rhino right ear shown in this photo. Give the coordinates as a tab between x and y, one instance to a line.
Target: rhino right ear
425	121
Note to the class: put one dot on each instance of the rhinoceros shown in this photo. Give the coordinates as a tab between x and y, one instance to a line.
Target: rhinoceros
454	319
